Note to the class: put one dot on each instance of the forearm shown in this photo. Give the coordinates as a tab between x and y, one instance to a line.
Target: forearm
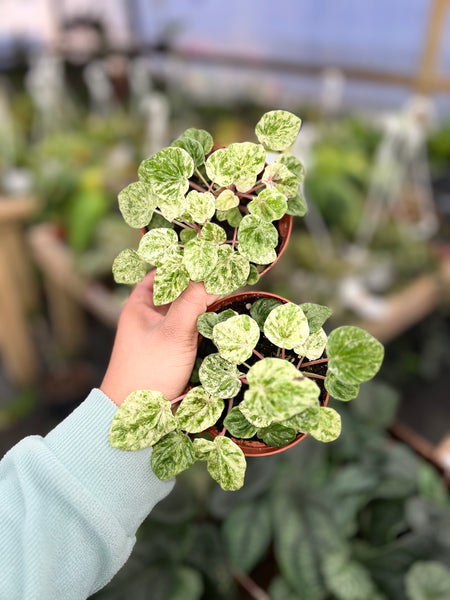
70	506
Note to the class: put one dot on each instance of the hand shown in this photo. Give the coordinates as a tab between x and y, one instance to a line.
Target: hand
155	346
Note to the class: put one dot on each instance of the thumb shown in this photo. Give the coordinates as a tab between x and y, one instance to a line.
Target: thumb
184	311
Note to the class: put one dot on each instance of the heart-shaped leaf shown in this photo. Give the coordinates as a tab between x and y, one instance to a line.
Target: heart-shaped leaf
238	426
316	314
172	208
355	356
128	267
338	389
249	160
200	206
293	164
173	454
158	246
276	434
287	326
329	426
168	172
226	463
314	345
278	177
192	146
233	217
206	322
269	205
221	167
202	448
200	257
261	308
253	276
213	233
219	377
428	580
198	410
257	240
142	419
202	136
277	129
137	203
170	280
306	420
231	271
235	338
187	234
226	200
296	206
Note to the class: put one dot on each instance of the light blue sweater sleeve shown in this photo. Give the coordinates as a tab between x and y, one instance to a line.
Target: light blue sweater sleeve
70	505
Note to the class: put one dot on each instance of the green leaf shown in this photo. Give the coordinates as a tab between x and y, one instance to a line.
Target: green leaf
226	200
173	454
128	267
428	580
329	427
192	147
355	356
306	420
202	136
143	418
198	410
279	178
168	172
276	393
158	246
234	217
206	322
187	234
277	129
253	276
314	345
287	326
261	308
221	167
269	205
200	206
339	390
249	159
235	338
257	240
200	257
187	585
226	314
231	271
171	279
238	426
316	314
276	434
226	464
220	377
247	533
293	164
172	209
137	203
213	233
279	589
296	206
347	579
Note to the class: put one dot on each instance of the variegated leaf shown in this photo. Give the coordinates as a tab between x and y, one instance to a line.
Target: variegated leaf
277	129
206	322
261	308
192	146
128	267
250	160
226	200
172	208
278	177
200	206
188	234
257	240
213	233
329	427
173	454
137	203
287	326
200	258
236	338
168	172
158	246
226	464
276	434
221	167
238	426
142	419
171	279
202	136
219	377
198	410
338	389
316	314
231	271
314	345
305	420
203	448
253	276
293	164
269	205
296	206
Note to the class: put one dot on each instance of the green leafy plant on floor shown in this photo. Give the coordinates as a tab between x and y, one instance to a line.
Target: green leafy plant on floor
218	209
257	381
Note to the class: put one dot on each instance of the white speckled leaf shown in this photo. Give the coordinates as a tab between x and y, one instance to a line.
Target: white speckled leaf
219	377
226	464
278	177
235	338
200	258
316	314
200	206
172	208
193	148
253	276
171	279
206	322
276	434
159	245
250	160
261	308
128	267
269	205
329	427
203	448
226	200
188	234
277	129
428	580
143	418
173	454
214	233
198	410
305	420
314	345
287	326
338	389
137	203
238	426
202	136
269	371
257	239
293	164
296	206
226	314
231	271
221	167
355	356
168	172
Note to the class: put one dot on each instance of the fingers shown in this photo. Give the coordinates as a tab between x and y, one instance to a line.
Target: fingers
184	311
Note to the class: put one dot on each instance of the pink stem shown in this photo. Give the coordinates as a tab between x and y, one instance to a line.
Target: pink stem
201	177
299	364
316	362
283	353
243	379
234	238
313	375
197	187
179	399
258	354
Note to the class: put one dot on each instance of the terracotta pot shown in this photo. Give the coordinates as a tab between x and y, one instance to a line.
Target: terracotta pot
252	447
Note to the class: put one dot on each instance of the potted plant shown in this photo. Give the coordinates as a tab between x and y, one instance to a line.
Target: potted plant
221	216
265	371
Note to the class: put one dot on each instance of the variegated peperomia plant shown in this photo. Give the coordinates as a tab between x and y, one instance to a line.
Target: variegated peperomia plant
263	376
210	215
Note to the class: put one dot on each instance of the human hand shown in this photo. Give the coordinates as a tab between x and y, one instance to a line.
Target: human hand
155	346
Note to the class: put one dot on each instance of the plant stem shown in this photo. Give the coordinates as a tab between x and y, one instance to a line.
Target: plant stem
258	354
179	399
256	187
183	225
283	353
246	365
201	177
299	364
316	362
248	584
313	375
197	187
243	379
234	238
241	195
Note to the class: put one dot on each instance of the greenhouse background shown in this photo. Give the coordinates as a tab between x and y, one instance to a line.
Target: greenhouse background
87	91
